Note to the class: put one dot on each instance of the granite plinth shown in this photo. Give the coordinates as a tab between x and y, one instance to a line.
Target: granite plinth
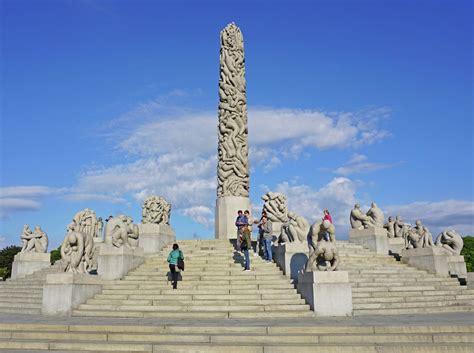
226	214
64	292
154	237
396	245
375	239
291	257
26	263
328	293
115	263
435	260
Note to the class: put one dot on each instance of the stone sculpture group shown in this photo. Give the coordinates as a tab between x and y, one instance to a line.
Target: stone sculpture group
156	210
417	236
36	241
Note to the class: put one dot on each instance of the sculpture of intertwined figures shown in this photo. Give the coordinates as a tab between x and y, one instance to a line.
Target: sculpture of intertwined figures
156	210
323	255
120	231
374	218
295	229
451	241
86	222
275	207
77	252
34	241
418	236
232	165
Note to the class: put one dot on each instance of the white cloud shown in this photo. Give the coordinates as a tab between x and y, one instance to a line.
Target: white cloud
23	198
338	196
359	164
25	191
439	215
3	242
201	214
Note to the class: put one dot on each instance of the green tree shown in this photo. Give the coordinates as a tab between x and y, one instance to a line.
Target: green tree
468	252
56	255
6	258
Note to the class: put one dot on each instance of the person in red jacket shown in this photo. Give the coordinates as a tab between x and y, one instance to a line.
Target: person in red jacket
327	216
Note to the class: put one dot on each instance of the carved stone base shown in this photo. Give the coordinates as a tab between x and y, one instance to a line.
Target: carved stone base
291	258
328	293
435	260
226	214
154	237
374	239
116	263
64	292
396	245
26	263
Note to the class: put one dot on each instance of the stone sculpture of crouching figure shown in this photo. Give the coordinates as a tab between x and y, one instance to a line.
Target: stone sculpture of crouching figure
450	241
76	252
324	258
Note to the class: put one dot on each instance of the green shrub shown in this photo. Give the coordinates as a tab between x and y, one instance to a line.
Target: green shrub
3	273
56	255
468	252
6	259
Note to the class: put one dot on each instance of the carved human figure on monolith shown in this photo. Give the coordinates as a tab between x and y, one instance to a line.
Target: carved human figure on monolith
77	252
275	207
36	241
296	229
400	228
232	167
451	241
320	231
359	220
156	210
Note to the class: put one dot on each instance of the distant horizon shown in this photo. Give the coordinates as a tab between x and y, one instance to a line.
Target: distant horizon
105	103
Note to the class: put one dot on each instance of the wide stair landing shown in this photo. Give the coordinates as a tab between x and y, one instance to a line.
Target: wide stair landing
383	286
24	295
214	286
199	338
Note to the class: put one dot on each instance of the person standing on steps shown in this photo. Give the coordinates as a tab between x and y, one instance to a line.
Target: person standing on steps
239	223
246	246
266	226
173	257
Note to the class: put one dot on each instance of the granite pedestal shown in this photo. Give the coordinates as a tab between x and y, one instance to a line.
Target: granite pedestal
435	260
396	245
26	263
154	237
374	239
291	258
226	214
64	292
328	293
116	263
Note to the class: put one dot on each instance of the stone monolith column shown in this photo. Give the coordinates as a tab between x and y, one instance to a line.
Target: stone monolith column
233	164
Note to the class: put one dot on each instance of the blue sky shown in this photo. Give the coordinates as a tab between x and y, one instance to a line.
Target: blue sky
106	102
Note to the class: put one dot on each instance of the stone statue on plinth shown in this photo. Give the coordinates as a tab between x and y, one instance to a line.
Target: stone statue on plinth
418	236
322	239
77	252
156	210
120	231
36	241
86	222
296	229
451	241
368	228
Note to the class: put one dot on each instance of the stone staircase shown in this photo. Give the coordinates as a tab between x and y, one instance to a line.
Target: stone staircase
24	295
214	286
383	286
244	338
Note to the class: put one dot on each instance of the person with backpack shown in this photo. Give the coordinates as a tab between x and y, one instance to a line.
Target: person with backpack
174	257
246	246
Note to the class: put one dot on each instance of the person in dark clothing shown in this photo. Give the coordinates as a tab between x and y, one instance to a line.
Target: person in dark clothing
173	257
